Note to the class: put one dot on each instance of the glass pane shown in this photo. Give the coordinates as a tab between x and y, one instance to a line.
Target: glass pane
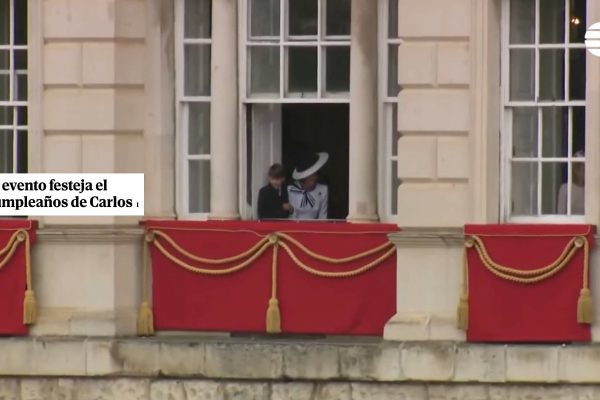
22	160
524	129
21	87
4	87
302	66
6	115
6	151
577	72
338	18
522	21
522	82
555	130
578	21
393	85
578	188
338	69
199	186
197	19
197	70
578	115
395	182
21	59
303	17
552	21
552	74
21	116
553	177
524	188
20	26
4	59
4	22
199	128
264	17
393	18
264	70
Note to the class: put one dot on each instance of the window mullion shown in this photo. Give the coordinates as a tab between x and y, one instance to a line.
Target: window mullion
569	158
539	162
283	35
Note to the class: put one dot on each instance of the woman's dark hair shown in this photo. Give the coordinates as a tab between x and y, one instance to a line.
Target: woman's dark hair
276	171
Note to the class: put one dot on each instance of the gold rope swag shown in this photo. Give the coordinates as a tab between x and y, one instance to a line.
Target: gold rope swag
528	276
6	254
244	259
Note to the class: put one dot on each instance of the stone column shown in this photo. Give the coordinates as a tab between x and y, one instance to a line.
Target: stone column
224	110
363	112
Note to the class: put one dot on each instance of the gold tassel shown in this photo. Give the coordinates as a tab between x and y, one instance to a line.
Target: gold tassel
585	309
29	308
462	313
145	320
273	317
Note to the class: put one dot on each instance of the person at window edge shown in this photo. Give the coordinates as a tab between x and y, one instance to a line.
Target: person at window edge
273	198
577	189
309	199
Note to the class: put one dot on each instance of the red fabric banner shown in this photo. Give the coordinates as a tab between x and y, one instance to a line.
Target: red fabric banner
13	278
545	311
237	302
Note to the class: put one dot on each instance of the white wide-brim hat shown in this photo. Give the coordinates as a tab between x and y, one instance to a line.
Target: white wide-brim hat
310	165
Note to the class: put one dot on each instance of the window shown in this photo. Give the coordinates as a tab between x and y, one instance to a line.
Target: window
296	59
193	51
297	49
13	86
389	90
544	108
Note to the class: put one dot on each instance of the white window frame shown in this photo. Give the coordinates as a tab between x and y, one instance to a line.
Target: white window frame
284	42
386	159
182	101
244	43
17	105
506	123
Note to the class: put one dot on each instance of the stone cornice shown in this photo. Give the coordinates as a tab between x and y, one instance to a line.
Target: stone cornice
89	233
281	359
428	237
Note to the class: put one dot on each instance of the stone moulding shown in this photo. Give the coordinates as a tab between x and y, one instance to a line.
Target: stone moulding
261	358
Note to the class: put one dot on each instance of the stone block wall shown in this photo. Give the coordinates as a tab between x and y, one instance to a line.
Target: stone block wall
434	112
260	368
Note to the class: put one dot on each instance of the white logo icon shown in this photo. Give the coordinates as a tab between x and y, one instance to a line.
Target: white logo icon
592	39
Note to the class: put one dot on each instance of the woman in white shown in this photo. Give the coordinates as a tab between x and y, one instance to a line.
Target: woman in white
309	199
577	190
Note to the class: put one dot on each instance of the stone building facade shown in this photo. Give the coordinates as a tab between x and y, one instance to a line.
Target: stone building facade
112	86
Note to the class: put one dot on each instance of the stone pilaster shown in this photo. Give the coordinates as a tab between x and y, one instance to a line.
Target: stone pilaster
223	113
363	112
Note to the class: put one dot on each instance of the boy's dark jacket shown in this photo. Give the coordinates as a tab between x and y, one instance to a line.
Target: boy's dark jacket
270	203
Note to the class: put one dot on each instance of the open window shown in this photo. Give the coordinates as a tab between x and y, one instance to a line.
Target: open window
294	84
296	91
544	80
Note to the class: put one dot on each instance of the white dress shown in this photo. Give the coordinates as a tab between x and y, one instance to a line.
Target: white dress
577	199
308	204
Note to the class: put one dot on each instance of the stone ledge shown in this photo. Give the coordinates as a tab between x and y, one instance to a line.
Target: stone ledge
200	389
282	359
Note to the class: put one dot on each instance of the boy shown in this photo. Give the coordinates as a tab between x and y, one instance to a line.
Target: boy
273	198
